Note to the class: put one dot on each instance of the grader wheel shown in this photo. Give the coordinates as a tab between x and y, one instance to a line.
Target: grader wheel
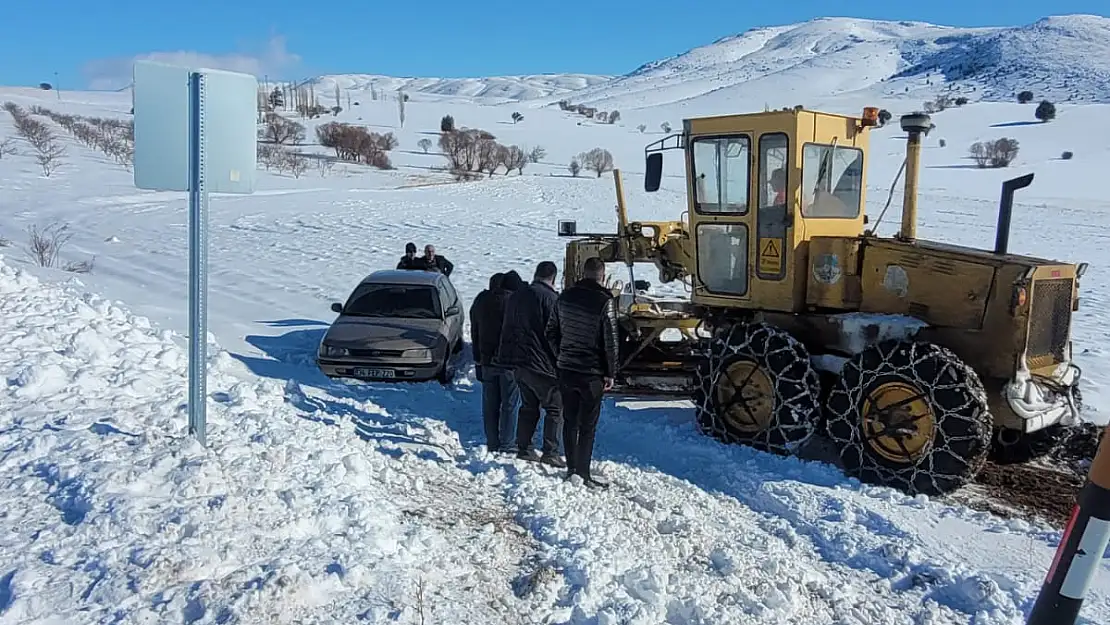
757	387
910	415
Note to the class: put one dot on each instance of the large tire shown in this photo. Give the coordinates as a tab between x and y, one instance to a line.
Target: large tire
756	386
939	408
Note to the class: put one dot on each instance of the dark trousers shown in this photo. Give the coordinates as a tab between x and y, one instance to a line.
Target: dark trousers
499	400
581	395
538	391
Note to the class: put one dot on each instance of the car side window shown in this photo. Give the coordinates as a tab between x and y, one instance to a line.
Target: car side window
444	295
452	295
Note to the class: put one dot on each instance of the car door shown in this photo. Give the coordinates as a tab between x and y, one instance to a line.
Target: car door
453	313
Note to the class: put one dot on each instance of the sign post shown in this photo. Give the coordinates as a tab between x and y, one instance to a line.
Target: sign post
1079	555
195	131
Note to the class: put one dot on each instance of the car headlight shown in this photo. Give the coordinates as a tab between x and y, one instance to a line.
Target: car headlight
334	352
422	354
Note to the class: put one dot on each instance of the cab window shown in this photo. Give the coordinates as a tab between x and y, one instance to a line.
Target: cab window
721	170
832	181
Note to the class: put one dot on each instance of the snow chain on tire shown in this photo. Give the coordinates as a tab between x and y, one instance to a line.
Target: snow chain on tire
784	361
959	421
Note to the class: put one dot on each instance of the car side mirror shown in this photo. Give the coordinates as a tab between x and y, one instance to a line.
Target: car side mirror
453	310
653	173
336	307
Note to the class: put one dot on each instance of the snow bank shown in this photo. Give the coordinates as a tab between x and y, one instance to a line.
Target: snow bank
111	513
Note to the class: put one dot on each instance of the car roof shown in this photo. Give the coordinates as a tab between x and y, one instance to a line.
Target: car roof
404	276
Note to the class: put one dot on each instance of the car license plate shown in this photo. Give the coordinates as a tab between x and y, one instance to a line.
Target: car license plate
374	373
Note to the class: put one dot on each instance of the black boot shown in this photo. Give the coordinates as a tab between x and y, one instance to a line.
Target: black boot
553	460
594	483
531	455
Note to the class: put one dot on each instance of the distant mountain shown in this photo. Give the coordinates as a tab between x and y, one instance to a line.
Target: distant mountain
1065	58
496	88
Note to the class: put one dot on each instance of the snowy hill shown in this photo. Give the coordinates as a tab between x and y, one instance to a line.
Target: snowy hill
498	87
1061	58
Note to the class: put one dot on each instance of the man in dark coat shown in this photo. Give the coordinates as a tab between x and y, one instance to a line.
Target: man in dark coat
431	262
499	389
409	260
524	347
583	335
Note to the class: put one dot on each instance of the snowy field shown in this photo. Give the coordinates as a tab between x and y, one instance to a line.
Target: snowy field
325	502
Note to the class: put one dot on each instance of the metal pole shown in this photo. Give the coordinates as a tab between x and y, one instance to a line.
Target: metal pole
198	263
1080	552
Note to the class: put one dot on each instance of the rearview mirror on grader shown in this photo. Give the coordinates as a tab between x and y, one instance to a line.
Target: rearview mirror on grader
918	359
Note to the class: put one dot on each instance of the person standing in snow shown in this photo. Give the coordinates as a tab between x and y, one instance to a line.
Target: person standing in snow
524	347
583	336
431	262
499	389
409	260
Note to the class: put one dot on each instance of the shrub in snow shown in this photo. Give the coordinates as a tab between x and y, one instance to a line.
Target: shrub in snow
1025	97
574	167
943	143
7	147
641	127
884	117
517	117
960	101
1046	111
994	154
424	144
447	124
665	127
43	246
1067	156
536	153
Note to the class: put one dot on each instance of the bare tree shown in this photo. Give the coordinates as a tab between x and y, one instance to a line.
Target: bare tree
994	154
597	160
425	144
296	163
514	158
517	117
614	116
536	153
280	130
488	156
44	245
574	167
641	127
49	156
7	147
325	166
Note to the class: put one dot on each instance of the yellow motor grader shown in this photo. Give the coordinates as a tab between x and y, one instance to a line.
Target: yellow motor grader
918	359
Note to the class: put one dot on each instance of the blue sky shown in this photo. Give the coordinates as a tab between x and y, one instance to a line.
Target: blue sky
80	43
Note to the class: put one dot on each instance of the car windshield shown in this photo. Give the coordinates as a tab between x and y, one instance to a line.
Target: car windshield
393	300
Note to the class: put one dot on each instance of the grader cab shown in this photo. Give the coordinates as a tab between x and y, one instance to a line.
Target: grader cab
918	359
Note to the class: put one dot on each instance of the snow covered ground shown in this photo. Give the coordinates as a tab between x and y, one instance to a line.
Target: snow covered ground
325	502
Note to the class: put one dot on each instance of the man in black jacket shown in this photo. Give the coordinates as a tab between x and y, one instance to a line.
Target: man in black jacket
583	334
524	347
431	262
499	389
409	260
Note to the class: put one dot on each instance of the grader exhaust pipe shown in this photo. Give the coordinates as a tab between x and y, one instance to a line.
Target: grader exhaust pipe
915	125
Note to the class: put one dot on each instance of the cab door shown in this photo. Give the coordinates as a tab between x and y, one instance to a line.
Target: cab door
721	217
